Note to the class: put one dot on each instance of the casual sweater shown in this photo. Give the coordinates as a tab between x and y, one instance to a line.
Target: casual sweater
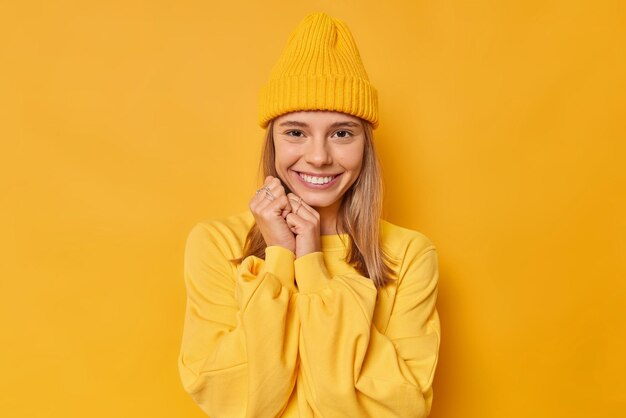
308	336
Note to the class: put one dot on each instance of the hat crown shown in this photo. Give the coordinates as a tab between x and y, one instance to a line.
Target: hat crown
320	46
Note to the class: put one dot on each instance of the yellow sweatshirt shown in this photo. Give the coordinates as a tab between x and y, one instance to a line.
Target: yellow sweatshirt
307	337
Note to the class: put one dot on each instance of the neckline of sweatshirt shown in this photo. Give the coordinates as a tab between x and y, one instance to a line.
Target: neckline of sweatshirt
334	242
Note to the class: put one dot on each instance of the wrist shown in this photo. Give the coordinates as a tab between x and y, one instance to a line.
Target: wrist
302	251
281	245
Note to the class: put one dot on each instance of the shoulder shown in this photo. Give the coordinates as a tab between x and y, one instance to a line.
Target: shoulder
407	248
226	235
398	242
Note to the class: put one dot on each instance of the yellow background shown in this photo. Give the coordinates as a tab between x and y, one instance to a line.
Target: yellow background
502	136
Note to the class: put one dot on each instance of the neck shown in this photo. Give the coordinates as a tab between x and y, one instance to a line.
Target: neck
328	218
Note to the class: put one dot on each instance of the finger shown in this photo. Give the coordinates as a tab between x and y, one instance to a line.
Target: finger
291	222
275	186
271	181
261	199
295	201
277	208
306	215
280	206
305	210
300	225
271	190
265	188
294	222
264	203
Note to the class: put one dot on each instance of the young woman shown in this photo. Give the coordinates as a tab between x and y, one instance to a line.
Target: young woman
309	304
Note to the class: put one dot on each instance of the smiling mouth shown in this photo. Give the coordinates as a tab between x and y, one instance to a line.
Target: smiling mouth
317	179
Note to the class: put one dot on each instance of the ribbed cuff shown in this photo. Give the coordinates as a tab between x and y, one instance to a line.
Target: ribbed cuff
341	93
311	273
279	261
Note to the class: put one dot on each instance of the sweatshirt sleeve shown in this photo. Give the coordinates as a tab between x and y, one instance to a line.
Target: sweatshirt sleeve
240	338
350	367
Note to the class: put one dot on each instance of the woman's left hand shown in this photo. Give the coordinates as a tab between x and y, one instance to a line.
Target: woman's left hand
304	221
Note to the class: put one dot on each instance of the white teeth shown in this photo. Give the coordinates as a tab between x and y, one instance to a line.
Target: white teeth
316	180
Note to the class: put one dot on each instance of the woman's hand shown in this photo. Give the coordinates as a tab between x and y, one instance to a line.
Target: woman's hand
304	221
269	207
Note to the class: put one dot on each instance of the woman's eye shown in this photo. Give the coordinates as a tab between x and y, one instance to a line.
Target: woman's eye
344	134
294	132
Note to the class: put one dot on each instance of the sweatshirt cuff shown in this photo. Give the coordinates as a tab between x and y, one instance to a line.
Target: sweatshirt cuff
279	262
311	273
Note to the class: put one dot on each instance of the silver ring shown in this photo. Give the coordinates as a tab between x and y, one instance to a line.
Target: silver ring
268	193
299	204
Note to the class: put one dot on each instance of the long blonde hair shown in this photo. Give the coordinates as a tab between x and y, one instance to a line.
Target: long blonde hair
359	213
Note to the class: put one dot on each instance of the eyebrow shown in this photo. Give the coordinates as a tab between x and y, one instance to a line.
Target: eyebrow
305	125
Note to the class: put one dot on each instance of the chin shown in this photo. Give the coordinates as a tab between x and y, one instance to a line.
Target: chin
322	204
317	201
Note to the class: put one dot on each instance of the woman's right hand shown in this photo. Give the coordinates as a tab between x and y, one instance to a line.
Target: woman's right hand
269	210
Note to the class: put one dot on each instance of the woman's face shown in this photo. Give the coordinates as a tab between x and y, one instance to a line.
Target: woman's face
319	154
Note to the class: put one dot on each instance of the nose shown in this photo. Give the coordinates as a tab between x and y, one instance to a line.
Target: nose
317	153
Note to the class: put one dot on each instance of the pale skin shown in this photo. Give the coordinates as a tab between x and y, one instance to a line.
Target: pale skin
319	155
